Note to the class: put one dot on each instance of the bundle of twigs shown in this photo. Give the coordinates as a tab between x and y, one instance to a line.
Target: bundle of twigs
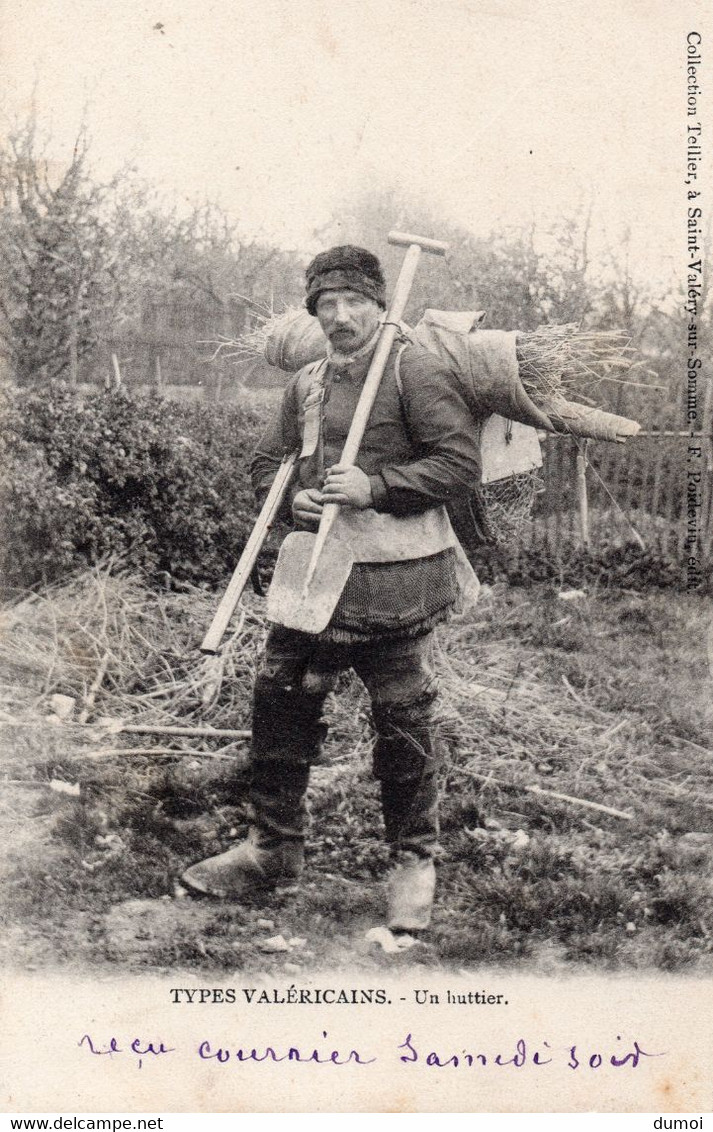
271	328
288	340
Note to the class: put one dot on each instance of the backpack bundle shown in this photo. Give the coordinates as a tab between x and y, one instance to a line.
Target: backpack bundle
515	385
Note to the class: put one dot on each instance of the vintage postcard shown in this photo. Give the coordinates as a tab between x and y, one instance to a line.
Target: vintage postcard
409	304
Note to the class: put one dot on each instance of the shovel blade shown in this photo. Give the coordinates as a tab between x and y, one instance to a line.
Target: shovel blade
293	603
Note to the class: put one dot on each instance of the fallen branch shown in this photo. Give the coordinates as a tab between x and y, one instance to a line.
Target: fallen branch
96	685
195	732
116	728
162	752
488	780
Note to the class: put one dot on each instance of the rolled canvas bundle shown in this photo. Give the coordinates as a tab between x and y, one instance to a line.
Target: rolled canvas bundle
293	340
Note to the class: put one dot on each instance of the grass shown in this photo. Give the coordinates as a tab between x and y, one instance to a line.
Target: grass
603	697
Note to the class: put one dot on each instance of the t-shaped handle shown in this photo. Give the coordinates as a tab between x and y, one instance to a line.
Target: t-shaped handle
406	239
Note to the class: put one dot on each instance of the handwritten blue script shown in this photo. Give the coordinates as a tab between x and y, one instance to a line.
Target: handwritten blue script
411	1051
139	1048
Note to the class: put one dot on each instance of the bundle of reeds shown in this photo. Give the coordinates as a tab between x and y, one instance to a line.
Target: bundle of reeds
288	340
556	363
562	359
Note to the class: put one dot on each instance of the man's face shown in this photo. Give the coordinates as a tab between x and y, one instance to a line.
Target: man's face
348	319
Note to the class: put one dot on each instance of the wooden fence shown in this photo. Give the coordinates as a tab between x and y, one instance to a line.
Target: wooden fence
595	494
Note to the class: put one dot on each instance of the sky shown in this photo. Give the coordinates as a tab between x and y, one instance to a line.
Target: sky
494	113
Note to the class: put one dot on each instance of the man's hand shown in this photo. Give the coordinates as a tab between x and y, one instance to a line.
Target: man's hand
347	485
307	507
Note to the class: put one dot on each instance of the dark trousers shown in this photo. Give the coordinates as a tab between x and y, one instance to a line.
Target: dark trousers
298	670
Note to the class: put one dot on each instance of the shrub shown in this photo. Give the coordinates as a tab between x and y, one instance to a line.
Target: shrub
603	565
162	484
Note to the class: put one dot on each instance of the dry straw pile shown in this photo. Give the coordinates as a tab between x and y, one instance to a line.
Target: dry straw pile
126	661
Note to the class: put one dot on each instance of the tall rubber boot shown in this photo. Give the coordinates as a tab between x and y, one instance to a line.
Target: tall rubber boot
287	735
405	760
412	888
410	807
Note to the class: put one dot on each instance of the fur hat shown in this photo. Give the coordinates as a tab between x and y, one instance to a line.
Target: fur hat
345	268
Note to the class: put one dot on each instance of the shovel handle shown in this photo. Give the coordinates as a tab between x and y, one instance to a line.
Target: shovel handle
399	299
397	306
406	239
243	570
381	355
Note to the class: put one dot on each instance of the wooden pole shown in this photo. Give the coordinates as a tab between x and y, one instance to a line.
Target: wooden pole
582	501
244	568
549	447
572	450
74	344
658	454
117	371
488	780
558	465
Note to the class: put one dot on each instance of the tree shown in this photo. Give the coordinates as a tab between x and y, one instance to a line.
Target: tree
192	279
61	261
519	278
90	264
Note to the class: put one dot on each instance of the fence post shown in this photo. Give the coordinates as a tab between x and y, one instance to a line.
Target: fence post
582	502
117	371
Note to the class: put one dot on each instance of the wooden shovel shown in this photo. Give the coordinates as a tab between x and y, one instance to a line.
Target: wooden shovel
312	569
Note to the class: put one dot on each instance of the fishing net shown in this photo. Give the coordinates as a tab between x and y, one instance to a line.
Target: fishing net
508	503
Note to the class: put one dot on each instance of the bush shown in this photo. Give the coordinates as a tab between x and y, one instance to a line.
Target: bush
162	484
604	565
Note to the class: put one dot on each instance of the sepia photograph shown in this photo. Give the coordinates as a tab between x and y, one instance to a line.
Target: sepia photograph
356	490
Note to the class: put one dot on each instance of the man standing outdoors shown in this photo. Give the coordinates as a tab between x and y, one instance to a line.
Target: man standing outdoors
420	451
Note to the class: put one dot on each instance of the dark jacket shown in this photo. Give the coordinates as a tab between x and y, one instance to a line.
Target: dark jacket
420	450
